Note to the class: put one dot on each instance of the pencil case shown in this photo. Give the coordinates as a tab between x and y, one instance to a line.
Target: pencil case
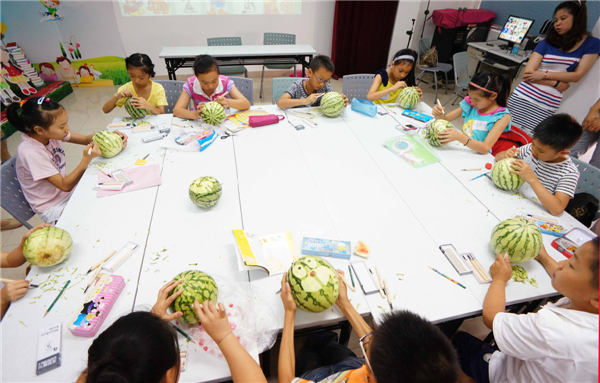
269	119
366	107
97	304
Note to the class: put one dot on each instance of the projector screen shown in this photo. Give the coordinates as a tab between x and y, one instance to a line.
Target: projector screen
136	8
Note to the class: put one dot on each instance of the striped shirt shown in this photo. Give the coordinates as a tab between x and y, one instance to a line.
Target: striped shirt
556	177
297	91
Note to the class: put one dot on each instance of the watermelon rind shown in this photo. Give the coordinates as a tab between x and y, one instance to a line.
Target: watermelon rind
110	143
332	104
520	237
502	176
434	129
47	246
205	191
133	111
213	113
196	285
314	284
408	98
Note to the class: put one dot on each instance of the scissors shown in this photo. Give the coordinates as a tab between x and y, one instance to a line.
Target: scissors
227	134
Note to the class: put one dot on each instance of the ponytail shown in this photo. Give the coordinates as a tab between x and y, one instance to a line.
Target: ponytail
492	82
39	111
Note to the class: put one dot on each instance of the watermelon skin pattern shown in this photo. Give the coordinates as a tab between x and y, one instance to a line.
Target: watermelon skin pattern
205	191
196	285
503	178
408	98
47	246
434	129
520	237
213	113
133	111
110	143
314	283
332	104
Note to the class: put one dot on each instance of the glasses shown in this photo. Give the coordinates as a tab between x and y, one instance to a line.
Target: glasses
322	81
362	345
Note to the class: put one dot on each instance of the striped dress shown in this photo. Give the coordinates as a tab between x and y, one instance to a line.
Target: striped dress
556	177
532	103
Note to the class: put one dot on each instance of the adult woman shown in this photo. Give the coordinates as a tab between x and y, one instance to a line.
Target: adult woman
564	57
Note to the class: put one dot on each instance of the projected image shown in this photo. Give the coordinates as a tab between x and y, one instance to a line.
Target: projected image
132	8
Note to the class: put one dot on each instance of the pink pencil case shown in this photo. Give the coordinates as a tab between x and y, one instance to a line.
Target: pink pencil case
97	305
269	119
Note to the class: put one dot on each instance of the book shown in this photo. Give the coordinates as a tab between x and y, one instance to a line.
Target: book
274	253
326	247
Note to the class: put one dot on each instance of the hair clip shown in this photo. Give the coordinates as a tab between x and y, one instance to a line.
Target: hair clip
47	99
40	100
21	103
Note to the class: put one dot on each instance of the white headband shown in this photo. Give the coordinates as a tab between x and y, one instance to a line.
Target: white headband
404	57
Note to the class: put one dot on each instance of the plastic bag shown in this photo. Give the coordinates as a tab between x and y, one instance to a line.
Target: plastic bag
365	107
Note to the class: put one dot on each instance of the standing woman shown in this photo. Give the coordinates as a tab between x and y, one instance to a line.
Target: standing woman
564	56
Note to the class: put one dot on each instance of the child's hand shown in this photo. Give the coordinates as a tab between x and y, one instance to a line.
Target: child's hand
289	305
26	235
213	319
399	85
14	290
512	152
141	103
200	107
123	137
449	135
224	101
343	295
125	93
95	152
523	169
345	100
501	270
419	90
311	99
438	112
164	301
542	255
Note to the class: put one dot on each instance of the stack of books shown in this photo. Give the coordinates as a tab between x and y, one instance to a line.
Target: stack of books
25	65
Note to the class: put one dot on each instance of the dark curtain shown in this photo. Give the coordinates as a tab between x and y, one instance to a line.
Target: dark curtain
362	33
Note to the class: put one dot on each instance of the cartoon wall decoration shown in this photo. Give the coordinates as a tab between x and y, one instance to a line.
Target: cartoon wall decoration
51	10
72	47
131	8
13	75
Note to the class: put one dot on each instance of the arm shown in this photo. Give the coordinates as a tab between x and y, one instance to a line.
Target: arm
495	299
510	153
492	137
547	261
584	66
237	100
67	183
112	103
11	292
376	95
356	320
286	101
16	258
592	115
181	107
142	103
286	367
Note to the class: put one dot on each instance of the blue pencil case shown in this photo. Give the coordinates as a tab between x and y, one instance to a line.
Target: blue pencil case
365	107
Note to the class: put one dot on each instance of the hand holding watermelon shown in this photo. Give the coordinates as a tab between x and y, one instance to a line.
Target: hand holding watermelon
289	305
141	103
164	301
501	269
343	294
125	93
213	319
450	135
512	152
522	169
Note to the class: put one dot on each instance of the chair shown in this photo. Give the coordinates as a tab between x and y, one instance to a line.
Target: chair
172	92
357	85
461	66
229	70
245	86
13	200
280	85
441	67
277	39
589	179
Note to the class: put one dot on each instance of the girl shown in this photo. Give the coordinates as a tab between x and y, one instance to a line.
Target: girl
142	347
14	75
565	56
65	70
484	110
146	93
40	165
85	75
47	72
388	83
208	85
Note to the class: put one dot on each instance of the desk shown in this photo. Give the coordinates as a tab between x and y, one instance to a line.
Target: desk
480	49
183	57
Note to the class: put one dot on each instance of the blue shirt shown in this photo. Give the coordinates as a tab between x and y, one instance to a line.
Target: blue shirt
477	125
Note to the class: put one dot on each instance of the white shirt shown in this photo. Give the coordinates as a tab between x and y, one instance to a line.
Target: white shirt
553	345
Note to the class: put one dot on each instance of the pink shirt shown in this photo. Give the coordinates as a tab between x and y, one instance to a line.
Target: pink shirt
193	87
36	162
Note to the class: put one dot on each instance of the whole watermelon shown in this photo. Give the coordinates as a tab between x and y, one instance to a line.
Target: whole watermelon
408	98
213	113
502	176
110	143
133	111
205	191
196	285
47	246
314	283
332	104
520	237
434	129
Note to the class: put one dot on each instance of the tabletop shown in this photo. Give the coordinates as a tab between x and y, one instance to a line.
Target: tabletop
237	51
495	50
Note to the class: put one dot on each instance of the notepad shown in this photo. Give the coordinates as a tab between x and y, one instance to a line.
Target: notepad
142	177
274	253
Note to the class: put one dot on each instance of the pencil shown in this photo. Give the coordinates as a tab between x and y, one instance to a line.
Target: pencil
441	107
93	278
387	292
57	298
470	169
101	261
6	280
447	277
351	277
183	333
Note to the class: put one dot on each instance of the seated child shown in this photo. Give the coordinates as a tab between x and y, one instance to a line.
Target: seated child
559	343
388	83
484	111
545	163
18	288
403	347
146	93
142	347
208	85
307	92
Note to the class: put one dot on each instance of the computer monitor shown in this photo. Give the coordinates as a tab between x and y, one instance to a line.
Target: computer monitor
514	31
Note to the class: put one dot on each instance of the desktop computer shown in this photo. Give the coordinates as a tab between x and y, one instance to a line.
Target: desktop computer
514	31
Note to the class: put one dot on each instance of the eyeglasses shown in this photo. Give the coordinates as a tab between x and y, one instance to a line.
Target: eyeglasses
322	81
362	345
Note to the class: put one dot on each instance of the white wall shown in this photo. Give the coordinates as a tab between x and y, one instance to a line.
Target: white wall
149	34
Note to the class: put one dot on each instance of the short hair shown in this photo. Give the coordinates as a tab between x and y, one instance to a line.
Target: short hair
61	59
595	263
560	131
141	61
204	64
407	347
322	61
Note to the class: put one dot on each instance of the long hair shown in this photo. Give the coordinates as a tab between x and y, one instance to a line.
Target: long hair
567	41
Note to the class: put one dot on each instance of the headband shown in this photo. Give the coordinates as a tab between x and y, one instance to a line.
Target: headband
404	57
482	88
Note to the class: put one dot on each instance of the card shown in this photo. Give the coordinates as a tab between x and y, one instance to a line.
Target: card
48	355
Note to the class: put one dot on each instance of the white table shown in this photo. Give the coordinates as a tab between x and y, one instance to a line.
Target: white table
183	57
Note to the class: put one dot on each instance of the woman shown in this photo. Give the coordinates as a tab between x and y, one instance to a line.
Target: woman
564	57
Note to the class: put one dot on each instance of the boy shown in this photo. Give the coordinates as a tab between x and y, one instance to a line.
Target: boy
403	347
559	343
544	163
305	92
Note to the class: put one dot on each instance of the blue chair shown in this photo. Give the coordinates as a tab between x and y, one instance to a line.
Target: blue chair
172	92
245	86
284	64
461	67
357	85
589	180
13	200
229	70
425	45
280	85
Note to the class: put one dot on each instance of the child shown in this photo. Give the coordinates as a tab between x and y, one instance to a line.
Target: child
47	72
18	288
388	83
146	93
40	165
559	343
403	347
85	75
544	163
484	110
305	92
208	85
65	70
142	347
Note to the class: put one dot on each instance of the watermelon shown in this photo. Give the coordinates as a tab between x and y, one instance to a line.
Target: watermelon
434	129
133	111
519	236
196	285
110	143
213	113
408	98
503	178
314	283
47	246
205	191
362	249
332	104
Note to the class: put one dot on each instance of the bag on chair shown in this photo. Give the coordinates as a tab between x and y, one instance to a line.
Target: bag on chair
429	58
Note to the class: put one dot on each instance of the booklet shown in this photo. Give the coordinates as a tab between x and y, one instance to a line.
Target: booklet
411	150
274	252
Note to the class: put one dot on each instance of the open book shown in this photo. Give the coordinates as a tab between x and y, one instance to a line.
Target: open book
274	252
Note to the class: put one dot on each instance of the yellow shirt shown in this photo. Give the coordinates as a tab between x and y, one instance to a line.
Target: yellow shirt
157	94
389	98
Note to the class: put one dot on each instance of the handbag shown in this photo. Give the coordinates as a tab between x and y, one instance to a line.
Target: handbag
429	58
269	119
